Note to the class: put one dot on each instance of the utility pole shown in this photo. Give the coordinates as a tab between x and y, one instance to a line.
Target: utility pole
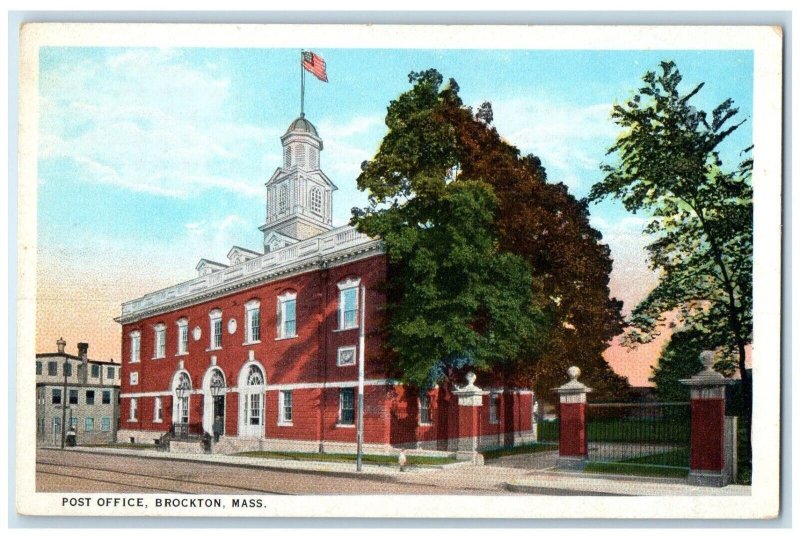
360	434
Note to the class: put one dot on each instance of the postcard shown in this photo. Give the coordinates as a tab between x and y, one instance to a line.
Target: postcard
399	271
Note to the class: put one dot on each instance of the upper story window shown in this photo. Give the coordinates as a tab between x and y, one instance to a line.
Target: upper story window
110	372
73	396
160	341
183	336
106	397
90	396
424	409
215	318
52	368
38	367
316	200
67	369
348	303
95	371
56	396
252	315
135	346
287	157
287	315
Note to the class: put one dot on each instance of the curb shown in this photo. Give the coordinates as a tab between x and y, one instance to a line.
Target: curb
250	465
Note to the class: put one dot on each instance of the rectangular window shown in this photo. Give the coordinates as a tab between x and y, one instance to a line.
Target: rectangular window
135	347
348	308
95	371
216	332
253	324
494	406
134	378
52	368
183	410
161	342
255	409
73	396
67	369
346	356
133	410
105	424
183	338
287	315
424	409
106	397
88	424
38	367
56	396
158	410
110	373
57	425
73	423
347	406
285	406
90	396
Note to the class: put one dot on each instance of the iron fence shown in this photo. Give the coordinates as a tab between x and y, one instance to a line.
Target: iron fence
643	434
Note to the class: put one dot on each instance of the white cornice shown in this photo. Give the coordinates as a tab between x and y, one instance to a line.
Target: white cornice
333	248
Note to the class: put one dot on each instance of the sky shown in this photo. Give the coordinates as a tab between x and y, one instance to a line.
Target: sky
152	158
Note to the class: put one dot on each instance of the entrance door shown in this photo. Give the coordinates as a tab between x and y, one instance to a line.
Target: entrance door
219	416
57	431
254	414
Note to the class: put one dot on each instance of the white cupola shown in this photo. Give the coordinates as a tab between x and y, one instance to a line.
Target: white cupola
299	194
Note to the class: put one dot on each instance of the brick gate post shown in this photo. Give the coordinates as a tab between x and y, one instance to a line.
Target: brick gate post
707	461
572	448
470	400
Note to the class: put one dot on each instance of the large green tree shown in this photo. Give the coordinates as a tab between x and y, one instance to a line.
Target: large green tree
668	165
436	141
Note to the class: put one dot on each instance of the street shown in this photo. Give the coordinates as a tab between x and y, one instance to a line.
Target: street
60	471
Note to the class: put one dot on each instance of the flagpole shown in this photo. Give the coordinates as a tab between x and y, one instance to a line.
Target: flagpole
302	85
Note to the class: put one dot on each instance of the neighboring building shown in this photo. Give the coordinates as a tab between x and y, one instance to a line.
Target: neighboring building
262	350
91	397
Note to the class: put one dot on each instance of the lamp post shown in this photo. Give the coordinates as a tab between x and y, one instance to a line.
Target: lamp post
217	389
180	393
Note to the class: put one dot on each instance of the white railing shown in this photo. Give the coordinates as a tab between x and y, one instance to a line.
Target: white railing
274	261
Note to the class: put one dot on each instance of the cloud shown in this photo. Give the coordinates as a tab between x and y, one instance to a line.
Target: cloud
147	121
570	139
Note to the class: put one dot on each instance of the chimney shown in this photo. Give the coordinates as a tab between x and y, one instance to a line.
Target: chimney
83	349
61	343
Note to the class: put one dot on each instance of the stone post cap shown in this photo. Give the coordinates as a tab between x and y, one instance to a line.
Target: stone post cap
573	386
708	376
470	394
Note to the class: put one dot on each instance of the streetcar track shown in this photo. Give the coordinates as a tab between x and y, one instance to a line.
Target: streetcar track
161	477
108	481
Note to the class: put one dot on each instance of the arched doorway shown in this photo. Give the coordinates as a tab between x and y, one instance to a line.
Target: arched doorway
251	396
181	388
214	390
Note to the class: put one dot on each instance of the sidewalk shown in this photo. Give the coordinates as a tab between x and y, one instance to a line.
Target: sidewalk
340	469
582	484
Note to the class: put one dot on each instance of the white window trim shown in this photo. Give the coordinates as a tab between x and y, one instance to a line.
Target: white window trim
182	324
341	402
419	405
162	330
282	300
213	316
339	356
282	422
134	378
133	410
343	287
136	336
158	404
250	306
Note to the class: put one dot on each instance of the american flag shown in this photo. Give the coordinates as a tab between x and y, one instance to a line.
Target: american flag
314	64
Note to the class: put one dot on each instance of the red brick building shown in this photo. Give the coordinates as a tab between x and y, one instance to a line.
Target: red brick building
263	351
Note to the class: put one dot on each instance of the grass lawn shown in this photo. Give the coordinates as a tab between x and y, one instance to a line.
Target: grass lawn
518	450
414	460
125	446
659	465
